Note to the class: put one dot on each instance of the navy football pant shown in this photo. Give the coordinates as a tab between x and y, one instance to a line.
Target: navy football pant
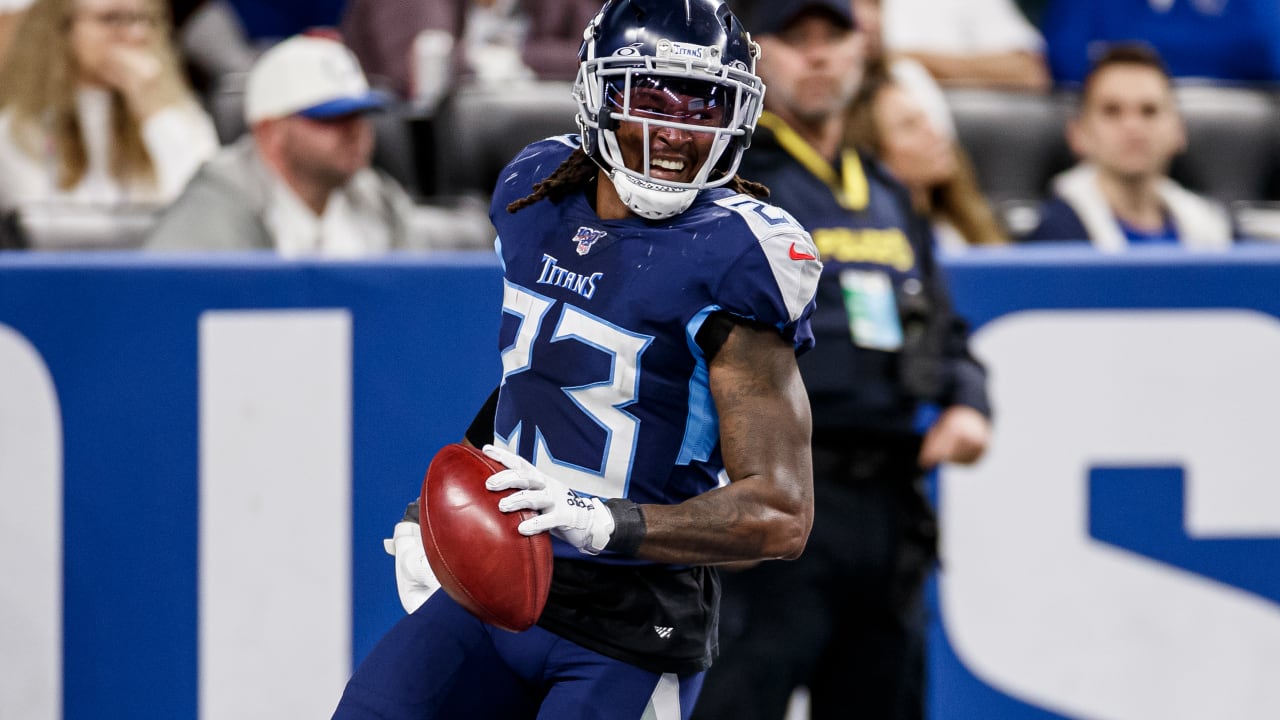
441	663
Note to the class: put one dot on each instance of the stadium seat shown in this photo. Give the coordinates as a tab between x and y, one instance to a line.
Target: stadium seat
1258	220
394	147
1016	140
1233	141
478	130
225	103
77	226
460	223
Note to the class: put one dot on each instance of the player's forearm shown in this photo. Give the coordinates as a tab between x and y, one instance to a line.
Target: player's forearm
748	520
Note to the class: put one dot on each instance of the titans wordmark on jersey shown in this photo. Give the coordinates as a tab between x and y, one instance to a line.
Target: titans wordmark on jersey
604	386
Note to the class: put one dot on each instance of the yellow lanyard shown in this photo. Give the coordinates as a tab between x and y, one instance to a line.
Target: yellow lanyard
849	188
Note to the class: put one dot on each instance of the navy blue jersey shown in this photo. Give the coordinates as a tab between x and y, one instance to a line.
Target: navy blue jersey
604	386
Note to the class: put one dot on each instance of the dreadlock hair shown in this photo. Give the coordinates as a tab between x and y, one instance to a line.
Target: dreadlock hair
579	170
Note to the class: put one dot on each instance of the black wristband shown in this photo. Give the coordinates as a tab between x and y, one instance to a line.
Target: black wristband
411	513
628	527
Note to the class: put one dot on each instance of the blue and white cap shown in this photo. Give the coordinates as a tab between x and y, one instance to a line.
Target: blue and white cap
310	76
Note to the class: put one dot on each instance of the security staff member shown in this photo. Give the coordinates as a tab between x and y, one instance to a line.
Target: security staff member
846	619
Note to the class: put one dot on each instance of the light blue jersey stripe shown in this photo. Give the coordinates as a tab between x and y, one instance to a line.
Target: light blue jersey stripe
702	429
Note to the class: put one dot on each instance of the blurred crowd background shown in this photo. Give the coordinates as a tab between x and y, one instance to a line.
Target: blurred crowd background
109	108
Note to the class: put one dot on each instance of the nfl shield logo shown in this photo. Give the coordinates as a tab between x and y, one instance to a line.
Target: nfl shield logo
587	237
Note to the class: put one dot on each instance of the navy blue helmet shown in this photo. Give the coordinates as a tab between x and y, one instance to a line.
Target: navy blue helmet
687	64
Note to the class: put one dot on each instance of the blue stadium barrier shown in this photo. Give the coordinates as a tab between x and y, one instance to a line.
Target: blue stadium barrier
200	456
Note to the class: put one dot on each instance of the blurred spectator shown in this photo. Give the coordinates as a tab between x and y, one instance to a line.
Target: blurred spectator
1233	40
11	12
555	35
973	43
383	35
1126	133
492	39
902	116
888	122
300	182
426	47
94	107
906	71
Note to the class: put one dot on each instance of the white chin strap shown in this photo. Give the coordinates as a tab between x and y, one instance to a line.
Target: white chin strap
650	200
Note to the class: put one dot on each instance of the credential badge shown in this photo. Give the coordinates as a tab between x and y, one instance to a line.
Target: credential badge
587	237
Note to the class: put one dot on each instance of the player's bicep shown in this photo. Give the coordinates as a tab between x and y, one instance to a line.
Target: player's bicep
764	416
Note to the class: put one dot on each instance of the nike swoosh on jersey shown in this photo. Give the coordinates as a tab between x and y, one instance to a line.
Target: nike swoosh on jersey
797	255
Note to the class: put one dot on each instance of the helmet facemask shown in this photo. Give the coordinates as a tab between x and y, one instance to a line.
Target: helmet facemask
685	87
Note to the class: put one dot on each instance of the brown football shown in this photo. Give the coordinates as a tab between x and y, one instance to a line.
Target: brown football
475	550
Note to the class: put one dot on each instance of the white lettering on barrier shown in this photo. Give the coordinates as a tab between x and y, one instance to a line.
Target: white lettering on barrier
275	513
1037	608
30	534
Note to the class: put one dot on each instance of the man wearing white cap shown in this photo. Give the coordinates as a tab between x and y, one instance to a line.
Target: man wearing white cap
300	182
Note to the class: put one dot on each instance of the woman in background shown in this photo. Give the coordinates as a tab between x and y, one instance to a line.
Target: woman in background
11	12
888	122
94	107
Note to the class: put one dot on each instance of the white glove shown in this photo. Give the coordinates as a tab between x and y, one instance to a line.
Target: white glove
414	579
581	520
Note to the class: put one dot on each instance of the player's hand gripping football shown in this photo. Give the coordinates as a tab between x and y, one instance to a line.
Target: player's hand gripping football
580	520
414	579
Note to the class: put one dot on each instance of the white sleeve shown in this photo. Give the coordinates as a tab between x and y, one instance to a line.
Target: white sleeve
13	6
999	26
788	250
960	27
23	179
179	139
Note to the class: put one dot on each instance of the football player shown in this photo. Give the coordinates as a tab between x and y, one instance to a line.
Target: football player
650	410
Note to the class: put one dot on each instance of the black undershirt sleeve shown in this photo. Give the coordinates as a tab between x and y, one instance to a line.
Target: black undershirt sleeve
715	331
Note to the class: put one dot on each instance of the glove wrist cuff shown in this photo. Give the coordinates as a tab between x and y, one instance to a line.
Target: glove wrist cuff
628	527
